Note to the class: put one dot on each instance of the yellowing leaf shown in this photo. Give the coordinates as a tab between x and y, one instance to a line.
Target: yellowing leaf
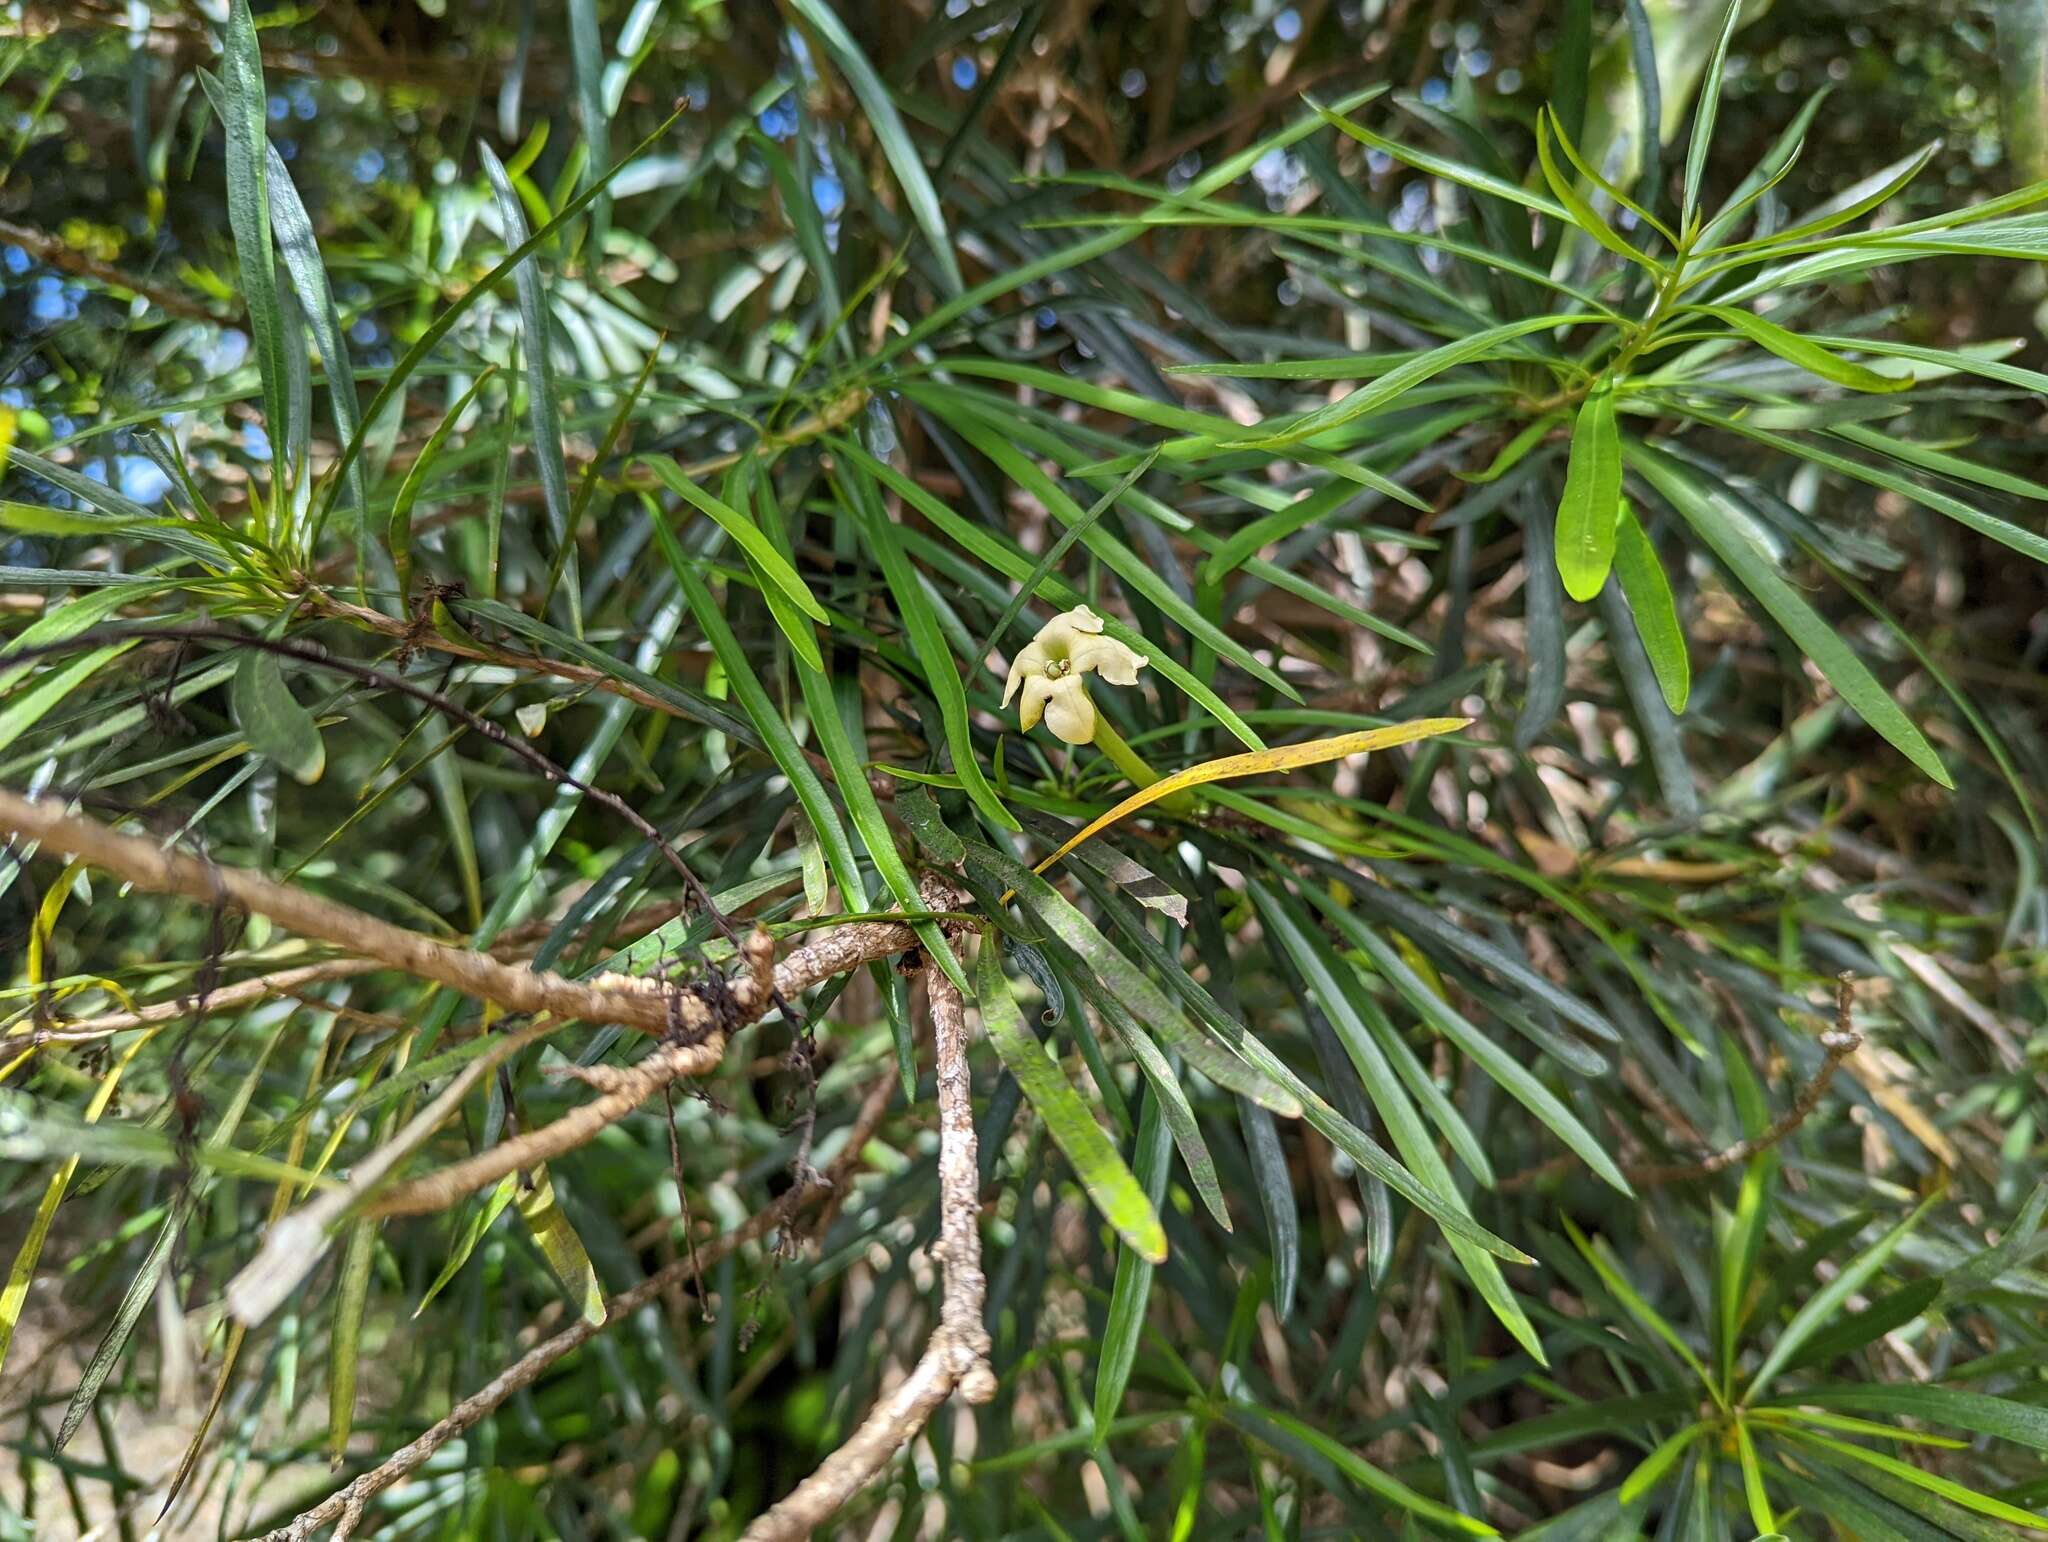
1285	757
564	1249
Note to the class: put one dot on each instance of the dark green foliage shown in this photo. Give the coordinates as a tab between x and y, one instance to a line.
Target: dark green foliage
717	400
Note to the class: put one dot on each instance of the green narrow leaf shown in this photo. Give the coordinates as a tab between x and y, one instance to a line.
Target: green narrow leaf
587	59
1290	931
1150	1005
1587	512
1583	215
1132	1289
1652	607
1265	1423
2001	1418
2003	531
1753	1482
1703	118
1853	1330
543	398
941	669
1651	1469
279	729
1618	1285
1825	1305
1808	355
761	555
889	132
243	106
481	1215
1722	528
1179	1113
344	1355
1276	1199
1891	1466
293	229
1028	585
1388	388
1571	64
142	1287
399	529
767	719
1110	1184
1514	1078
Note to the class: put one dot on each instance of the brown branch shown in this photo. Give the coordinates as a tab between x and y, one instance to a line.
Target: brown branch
608	998
1839	1042
344	1508
297	979
623	1089
957	1355
60	254
224	998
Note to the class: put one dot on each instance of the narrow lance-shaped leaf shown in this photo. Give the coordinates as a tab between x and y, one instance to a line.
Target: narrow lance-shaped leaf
1110	1184
1592	498
543	399
1583	214
278	727
243	106
1132	1290
1722	529
1703	118
941	669
1808	355
1825	1305
399	527
887	125
1651	605
296	243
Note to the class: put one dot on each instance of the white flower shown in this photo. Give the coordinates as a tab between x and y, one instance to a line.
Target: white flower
1051	670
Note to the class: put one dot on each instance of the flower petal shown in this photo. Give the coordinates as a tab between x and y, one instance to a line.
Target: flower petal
1069	713
1107	657
1037	692
1031	661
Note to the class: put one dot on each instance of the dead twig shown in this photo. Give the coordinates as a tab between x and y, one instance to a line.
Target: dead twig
1839	1042
956	1358
343	1509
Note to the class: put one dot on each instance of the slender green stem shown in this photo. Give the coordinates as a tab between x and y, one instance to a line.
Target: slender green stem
1136	767
1126	759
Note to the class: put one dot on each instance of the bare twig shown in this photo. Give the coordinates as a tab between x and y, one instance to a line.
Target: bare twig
344	1508
1839	1042
957	1355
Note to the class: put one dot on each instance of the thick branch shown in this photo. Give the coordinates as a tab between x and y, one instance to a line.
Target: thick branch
293	981
957	1355
609	998
344	1508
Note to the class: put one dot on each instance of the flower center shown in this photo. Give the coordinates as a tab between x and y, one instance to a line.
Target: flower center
1058	669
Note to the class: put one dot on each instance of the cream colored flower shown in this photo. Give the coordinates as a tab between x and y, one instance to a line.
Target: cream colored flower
1052	668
